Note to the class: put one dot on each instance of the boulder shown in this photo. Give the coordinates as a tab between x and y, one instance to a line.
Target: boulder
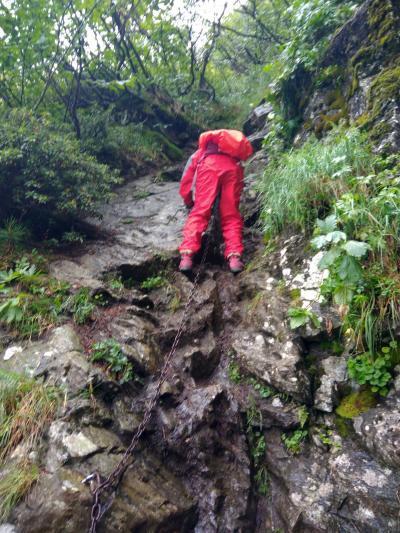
379	431
341	489
59	359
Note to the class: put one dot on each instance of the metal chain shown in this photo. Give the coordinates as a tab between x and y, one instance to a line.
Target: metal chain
110	484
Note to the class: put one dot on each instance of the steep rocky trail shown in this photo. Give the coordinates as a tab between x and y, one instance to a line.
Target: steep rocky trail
212	458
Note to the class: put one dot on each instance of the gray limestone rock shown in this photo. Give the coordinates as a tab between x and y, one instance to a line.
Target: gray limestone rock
379	429
334	375
59	359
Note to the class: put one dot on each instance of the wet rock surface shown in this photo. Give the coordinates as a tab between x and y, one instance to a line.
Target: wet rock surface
240	381
359	78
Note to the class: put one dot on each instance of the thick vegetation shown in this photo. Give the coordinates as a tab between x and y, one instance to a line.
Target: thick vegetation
347	201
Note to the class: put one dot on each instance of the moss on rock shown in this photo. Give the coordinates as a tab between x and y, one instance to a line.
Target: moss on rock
356	403
171	150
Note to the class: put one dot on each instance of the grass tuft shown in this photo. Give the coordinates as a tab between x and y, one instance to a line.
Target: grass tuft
14	485
26	409
302	184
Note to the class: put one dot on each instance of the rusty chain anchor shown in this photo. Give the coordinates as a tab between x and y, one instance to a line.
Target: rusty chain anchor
111	483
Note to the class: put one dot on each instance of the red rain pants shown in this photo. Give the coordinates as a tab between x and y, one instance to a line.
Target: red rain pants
216	173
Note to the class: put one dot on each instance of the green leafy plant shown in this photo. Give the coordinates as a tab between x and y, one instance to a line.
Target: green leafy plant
73	237
300	316
342	259
263	390
294	441
303	415
141	195
29	301
234	372
374	370
116	284
153	282
110	352
325	435
80	305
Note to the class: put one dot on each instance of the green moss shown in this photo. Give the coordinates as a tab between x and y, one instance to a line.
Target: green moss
170	149
337	110
362	120
295	294
343	426
381	20
356	403
385	87
330	75
383	38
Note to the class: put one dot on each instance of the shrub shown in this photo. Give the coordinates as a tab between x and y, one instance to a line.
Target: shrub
45	174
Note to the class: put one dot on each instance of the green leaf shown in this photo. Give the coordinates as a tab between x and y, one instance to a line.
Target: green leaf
343	295
328	224
336	236
329	258
296	322
319	242
356	248
349	270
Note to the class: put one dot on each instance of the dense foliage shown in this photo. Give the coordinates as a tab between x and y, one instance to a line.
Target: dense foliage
121	83
45	173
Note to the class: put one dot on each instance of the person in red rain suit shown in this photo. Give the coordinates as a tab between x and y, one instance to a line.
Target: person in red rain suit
209	172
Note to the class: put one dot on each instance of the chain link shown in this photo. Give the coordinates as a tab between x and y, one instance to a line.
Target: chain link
110	484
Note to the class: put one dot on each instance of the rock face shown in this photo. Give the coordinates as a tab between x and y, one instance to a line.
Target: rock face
212	457
359	77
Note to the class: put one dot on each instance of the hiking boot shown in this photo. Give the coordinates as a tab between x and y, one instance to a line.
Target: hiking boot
235	264
186	263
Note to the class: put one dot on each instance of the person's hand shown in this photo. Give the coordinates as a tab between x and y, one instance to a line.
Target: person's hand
189	205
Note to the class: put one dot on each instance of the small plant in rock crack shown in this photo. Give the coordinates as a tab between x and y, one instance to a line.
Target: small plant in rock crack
375	370
154	282
141	195
80	305
263	390
73	237
303	415
294	441
29	301
257	446
234	373
116	284
110	352
325	435
299	316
